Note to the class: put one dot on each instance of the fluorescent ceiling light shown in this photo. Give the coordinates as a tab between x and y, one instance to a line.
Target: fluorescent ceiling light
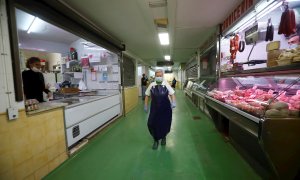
167	57
32	24
164	38
259	15
268	10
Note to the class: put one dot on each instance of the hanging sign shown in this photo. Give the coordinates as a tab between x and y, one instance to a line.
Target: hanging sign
237	13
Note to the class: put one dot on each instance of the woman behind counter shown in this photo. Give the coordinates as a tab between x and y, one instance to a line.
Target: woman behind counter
33	80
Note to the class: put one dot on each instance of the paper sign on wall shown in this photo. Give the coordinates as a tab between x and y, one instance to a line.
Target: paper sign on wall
94	57
94	75
96	68
115	68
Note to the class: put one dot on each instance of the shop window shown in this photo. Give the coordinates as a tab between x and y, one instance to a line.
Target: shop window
67	60
61	16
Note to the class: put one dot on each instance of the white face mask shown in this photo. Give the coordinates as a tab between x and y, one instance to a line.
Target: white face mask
35	69
293	46
159	79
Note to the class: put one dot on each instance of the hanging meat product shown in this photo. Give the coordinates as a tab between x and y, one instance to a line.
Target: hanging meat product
234	46
287	24
270	31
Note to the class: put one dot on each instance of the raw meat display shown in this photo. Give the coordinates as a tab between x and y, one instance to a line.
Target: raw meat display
257	101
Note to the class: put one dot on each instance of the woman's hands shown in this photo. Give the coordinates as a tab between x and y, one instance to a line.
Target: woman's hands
146	104
145	108
173	104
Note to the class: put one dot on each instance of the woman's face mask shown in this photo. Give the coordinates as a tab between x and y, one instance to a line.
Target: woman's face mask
35	69
158	79
293	46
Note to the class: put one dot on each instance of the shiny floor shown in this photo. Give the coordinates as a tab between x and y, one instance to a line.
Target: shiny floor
194	150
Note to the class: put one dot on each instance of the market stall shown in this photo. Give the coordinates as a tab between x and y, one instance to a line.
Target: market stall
80	76
207	72
256	101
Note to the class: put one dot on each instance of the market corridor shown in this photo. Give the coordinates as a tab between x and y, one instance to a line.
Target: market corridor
194	150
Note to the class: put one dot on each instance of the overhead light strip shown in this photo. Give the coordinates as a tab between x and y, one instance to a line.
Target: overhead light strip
164	38
32	25
167	57
259	16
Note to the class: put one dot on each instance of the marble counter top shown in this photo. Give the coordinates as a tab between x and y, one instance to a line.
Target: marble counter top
47	106
68	102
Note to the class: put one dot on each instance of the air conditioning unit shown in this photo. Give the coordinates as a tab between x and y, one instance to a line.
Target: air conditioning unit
256	33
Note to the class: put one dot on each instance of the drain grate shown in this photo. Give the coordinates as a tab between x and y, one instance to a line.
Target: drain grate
196	117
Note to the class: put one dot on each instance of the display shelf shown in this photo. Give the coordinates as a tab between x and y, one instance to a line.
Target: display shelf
234	109
288	69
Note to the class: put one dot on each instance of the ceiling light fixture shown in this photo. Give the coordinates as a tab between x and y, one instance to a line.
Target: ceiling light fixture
32	25
259	15
164	38
167	58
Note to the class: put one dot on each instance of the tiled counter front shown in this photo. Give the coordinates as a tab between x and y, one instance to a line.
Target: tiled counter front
31	146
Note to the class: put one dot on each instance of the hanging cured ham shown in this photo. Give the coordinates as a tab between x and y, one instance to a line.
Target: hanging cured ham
287	24
234	46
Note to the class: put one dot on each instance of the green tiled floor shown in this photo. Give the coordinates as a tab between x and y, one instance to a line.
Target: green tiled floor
195	150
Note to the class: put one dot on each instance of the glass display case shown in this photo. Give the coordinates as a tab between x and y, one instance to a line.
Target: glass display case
203	84
261	96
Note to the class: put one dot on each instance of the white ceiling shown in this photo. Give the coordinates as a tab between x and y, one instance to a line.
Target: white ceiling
132	22
44	30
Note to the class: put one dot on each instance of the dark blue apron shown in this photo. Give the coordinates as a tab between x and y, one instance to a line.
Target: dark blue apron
160	118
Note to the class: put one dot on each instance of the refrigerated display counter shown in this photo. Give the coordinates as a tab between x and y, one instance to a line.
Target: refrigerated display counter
199	90
188	88
261	117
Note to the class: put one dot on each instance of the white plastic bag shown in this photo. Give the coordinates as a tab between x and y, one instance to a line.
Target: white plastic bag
82	86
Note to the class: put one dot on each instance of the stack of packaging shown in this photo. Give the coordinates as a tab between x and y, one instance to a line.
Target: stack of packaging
274	51
31	104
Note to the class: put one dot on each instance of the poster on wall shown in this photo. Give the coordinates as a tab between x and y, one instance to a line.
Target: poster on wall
115	68
94	76
84	61
94	56
104	76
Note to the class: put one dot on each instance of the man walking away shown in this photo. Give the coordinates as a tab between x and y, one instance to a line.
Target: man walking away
174	83
144	81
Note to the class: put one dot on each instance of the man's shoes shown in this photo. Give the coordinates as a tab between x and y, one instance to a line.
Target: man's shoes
155	145
163	141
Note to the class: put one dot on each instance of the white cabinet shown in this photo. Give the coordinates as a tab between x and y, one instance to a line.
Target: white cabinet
81	120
